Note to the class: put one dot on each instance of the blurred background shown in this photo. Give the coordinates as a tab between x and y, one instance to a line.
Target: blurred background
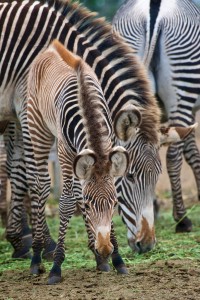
108	8
105	8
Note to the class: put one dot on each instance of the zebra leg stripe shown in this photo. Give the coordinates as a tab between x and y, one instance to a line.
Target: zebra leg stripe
3	184
174	164
192	157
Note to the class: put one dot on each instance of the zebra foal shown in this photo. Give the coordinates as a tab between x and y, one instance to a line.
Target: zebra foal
65	101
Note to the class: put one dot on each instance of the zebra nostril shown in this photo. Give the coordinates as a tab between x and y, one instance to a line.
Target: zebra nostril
138	247
138	244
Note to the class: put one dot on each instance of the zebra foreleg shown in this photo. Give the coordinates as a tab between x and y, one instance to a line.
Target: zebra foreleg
38	222
174	164
26	231
117	260
67	207
192	157
49	244
3	183
36	154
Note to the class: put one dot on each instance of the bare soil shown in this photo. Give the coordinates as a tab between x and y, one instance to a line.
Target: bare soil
170	280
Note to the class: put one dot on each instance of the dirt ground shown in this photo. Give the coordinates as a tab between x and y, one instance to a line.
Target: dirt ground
170	280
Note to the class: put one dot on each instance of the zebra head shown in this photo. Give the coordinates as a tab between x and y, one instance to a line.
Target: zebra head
136	193
136	190
99	193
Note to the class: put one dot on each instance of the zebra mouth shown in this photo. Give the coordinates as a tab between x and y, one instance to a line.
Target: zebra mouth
98	255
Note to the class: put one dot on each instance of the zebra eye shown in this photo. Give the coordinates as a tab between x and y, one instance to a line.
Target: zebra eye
87	206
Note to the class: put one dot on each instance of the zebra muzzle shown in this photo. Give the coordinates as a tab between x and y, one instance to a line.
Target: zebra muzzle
103	246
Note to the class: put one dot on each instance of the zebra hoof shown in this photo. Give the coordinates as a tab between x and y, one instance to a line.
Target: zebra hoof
119	264
102	263
122	270
49	251
184	225
54	279
104	267
37	269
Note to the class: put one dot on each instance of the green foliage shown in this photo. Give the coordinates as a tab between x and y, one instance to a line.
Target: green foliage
105	8
169	245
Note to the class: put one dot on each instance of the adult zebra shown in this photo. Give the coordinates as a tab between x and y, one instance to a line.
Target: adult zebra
27	27
167	39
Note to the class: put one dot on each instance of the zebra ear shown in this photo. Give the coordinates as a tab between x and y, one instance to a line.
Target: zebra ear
119	161
170	135
126	122
83	163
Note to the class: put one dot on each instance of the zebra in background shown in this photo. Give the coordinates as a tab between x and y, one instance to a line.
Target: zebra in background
73	110
166	37
27	27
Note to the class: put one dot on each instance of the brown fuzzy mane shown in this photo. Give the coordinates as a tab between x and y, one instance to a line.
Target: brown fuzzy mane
98	131
66	55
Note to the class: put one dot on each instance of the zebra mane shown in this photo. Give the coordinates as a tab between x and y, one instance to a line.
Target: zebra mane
92	104
95	113
70	58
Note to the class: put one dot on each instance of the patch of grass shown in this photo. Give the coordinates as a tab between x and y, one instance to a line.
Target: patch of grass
169	245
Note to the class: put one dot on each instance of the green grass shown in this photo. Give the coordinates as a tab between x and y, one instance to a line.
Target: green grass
169	245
